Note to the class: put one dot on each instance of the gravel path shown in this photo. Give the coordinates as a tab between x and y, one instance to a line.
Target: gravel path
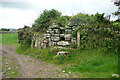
33	68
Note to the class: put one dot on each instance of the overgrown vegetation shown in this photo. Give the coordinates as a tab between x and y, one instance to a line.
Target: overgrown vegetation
97	55
91	63
47	18
25	36
97	31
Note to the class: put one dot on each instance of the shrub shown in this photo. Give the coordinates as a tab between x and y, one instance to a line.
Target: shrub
25	36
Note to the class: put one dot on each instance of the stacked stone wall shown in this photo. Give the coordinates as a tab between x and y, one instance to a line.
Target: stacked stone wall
54	36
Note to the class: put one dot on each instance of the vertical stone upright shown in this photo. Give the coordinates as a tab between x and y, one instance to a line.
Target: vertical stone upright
36	43
78	38
32	43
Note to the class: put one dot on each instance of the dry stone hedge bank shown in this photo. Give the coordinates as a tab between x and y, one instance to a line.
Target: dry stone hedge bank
55	36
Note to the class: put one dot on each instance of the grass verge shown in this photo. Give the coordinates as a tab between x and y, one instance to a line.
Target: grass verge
92	63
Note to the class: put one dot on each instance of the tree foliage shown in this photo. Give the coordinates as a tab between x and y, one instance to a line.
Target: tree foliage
63	20
4	29
117	3
45	19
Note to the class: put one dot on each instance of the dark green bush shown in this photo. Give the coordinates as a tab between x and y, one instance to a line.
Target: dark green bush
97	32
25	36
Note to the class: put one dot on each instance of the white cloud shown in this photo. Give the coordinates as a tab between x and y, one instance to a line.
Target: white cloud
13	18
16	17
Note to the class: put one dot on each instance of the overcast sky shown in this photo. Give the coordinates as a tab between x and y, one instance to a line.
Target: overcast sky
17	13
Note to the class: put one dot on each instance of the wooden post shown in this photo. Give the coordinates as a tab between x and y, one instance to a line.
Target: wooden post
78	38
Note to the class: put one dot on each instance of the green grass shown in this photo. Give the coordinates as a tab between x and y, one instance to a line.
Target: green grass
13	72
92	63
9	38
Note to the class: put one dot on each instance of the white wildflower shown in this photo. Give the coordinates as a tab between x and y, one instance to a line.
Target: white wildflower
69	72
63	71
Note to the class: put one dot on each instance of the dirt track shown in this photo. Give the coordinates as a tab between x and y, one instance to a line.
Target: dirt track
33	68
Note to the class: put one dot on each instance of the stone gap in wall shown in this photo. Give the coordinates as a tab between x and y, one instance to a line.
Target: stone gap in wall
55	36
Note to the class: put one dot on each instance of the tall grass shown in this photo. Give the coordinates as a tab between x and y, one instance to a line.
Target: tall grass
9	38
93	63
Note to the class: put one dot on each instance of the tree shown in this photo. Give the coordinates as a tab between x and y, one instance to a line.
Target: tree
45	19
63	20
4	29
117	3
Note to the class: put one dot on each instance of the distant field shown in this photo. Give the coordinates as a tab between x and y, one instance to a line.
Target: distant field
9	38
